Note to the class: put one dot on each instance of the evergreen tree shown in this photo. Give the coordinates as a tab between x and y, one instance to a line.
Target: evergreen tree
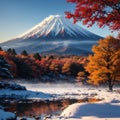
1	49
4	68
11	51
37	56
104	64
24	53
14	52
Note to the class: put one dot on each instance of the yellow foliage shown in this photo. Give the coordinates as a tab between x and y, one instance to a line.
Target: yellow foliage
66	68
104	64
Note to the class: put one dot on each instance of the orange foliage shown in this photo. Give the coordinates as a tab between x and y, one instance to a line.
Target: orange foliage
104	65
3	53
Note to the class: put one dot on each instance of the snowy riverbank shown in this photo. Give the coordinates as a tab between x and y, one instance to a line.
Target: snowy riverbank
107	109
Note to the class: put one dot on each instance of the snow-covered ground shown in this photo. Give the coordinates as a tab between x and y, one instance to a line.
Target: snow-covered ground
107	109
93	111
67	90
6	115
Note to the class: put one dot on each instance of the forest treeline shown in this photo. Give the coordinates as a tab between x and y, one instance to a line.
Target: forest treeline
34	65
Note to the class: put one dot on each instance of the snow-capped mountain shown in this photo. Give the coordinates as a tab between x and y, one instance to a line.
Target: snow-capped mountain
56	26
55	34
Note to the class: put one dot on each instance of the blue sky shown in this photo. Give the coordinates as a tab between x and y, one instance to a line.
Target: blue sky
18	16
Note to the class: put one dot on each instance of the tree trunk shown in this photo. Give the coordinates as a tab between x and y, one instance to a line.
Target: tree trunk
110	85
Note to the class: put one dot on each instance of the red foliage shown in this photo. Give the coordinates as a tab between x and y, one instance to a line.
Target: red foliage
28	67
2	53
13	68
44	64
102	12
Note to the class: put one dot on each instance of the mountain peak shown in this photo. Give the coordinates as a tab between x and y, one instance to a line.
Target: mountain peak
56	16
54	35
57	26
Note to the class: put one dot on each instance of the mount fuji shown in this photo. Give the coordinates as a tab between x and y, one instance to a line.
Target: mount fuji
54	35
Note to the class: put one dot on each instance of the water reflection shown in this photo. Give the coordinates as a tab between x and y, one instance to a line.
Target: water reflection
38	107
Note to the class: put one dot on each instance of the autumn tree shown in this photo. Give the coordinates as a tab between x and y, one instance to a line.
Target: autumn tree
13	68
82	77
72	68
102	12
23	69
44	64
56	66
66	68
104	64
